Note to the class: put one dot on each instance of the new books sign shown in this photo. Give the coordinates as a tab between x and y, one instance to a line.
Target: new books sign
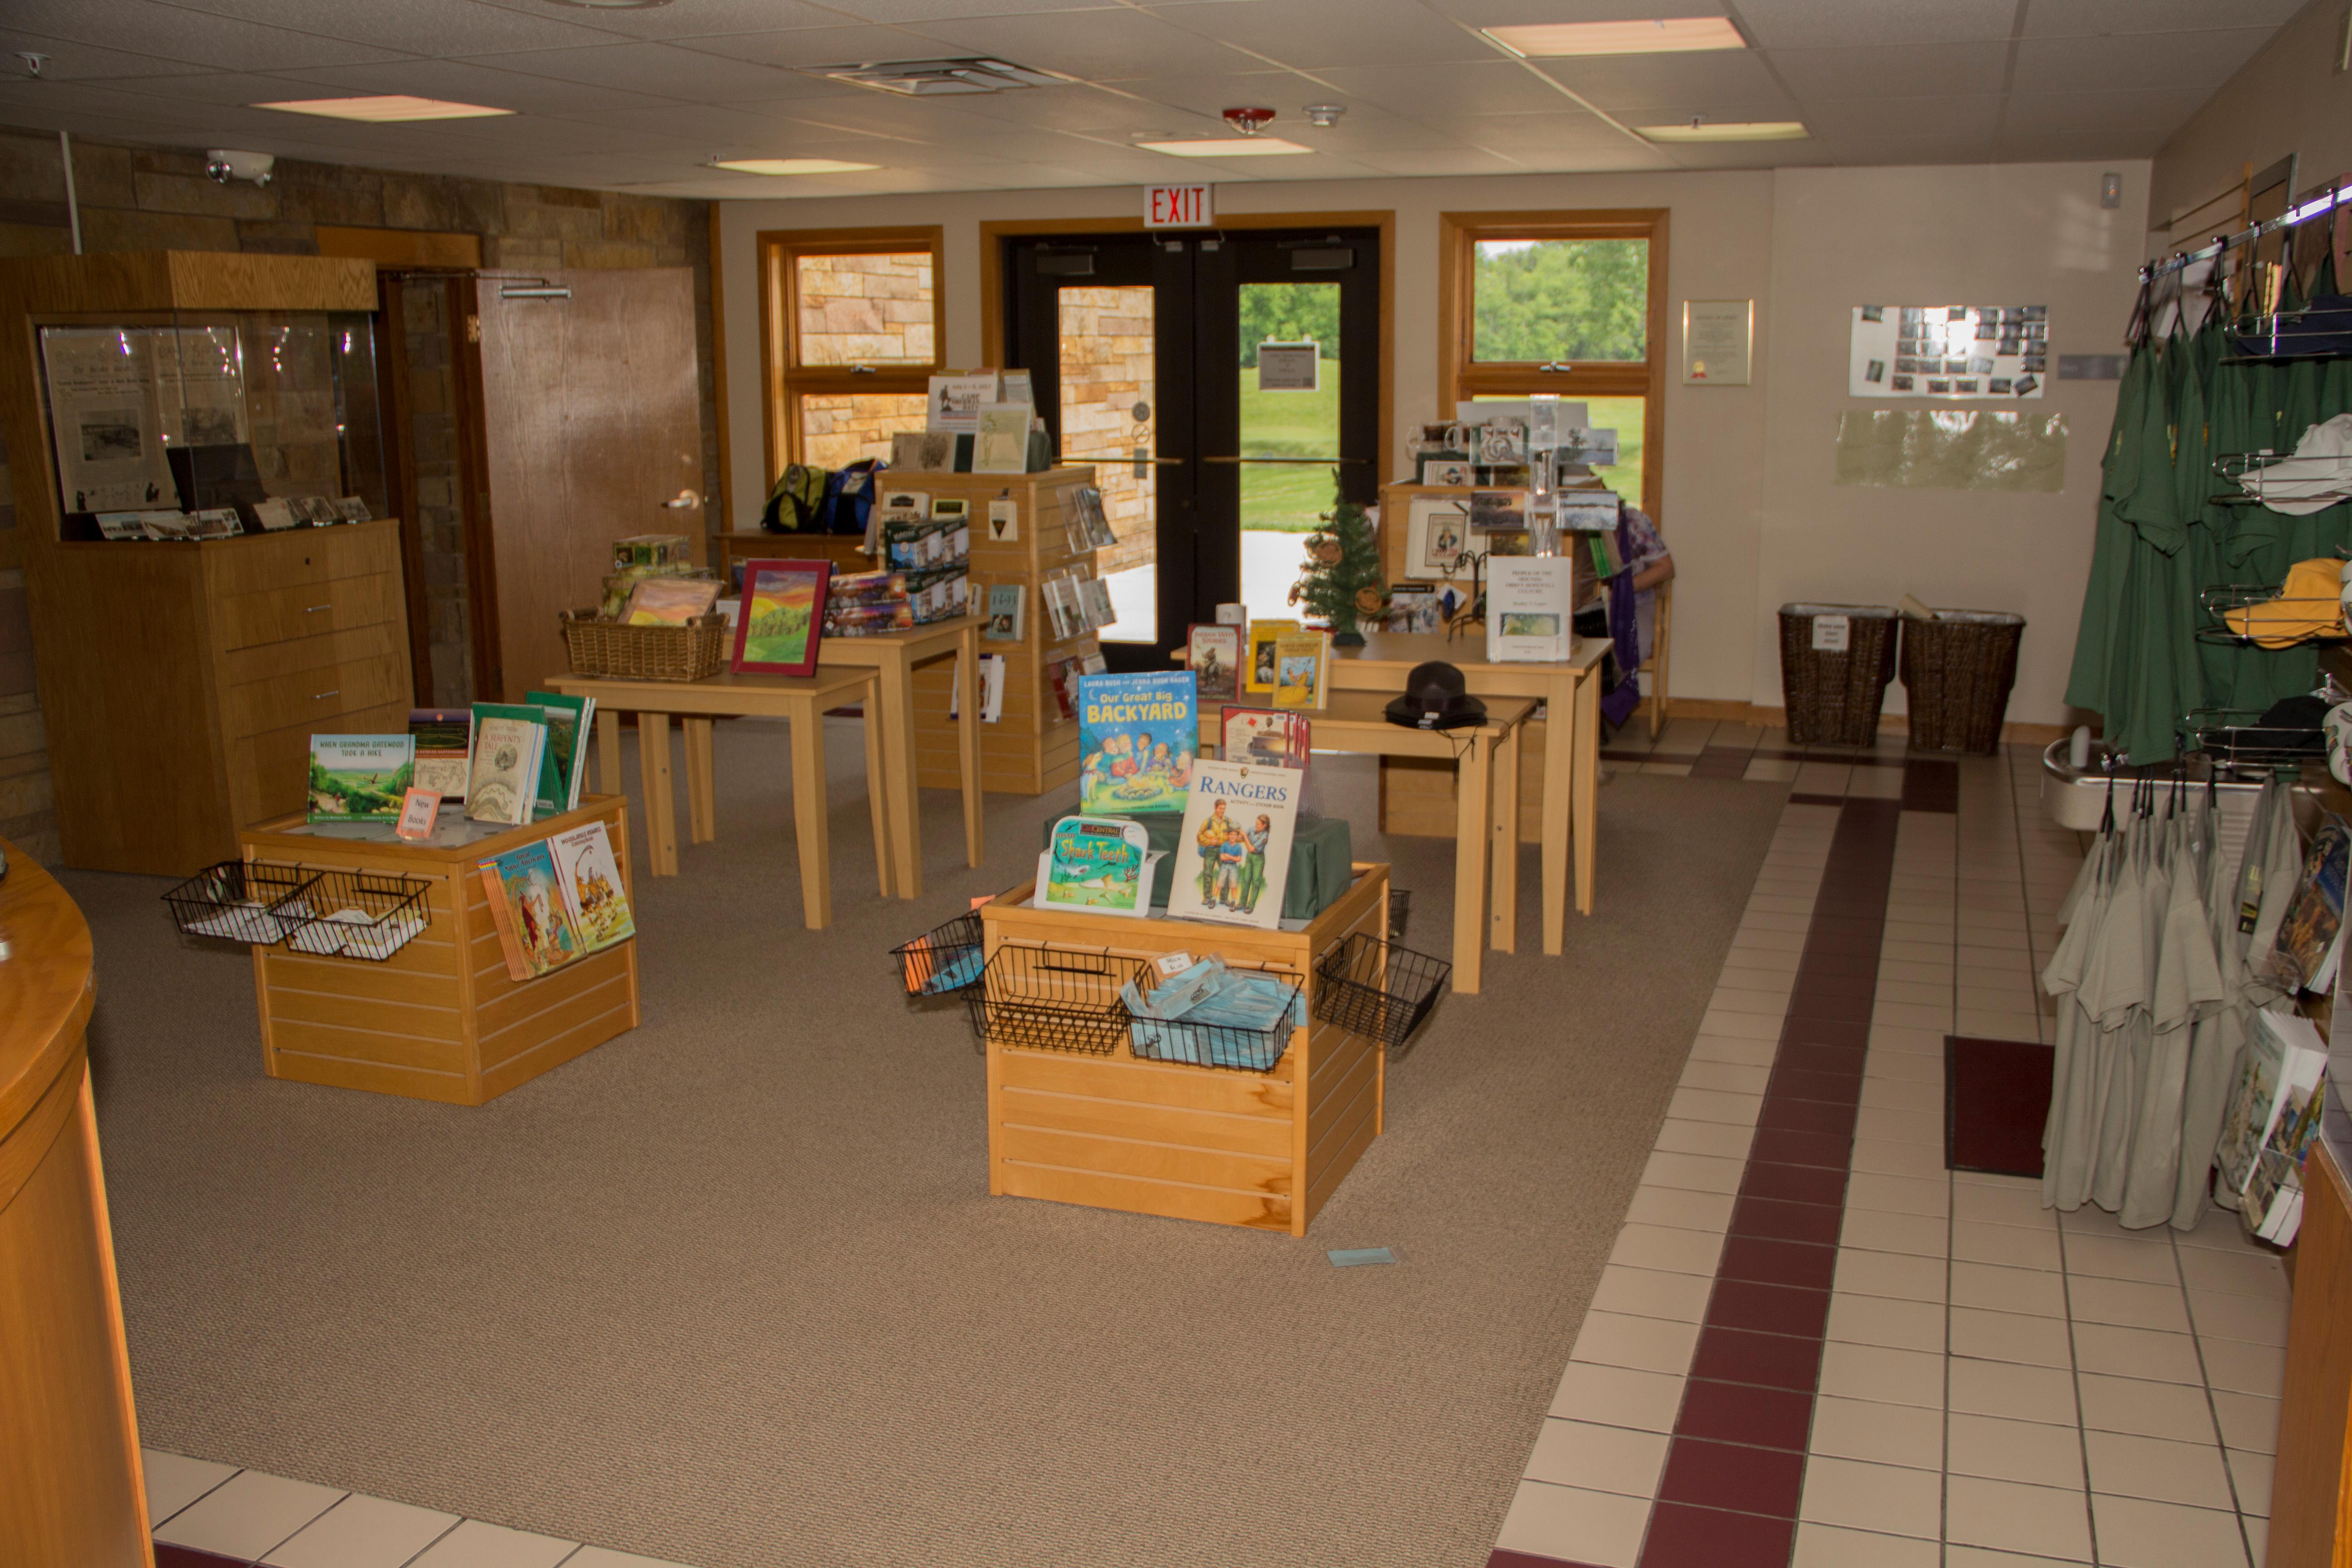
1178	206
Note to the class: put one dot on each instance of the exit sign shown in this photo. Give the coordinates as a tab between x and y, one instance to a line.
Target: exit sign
1177	207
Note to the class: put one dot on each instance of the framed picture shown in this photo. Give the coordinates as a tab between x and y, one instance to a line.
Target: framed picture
783	619
1214	653
1437	530
1448	473
1498	512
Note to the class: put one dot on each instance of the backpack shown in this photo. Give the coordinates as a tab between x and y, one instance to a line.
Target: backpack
797	501
849	497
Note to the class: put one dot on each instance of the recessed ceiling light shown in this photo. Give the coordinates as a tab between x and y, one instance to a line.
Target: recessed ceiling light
1228	147
1667	36
790	166
1727	131
384	108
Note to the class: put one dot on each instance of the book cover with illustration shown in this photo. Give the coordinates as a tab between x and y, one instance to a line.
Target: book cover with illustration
527	905
2282	1052
568	720
1137	736
1233	856
1259	735
1302	663
1097	863
510	739
359	778
590	879
445	749
2300	958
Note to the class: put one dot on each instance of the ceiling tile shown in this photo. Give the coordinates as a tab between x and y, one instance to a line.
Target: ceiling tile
2064	18
1212	95
72	61
2077	146
464	83
1514	133
2153	61
191	35
1448	160
1513	13
919	11
686	21
1893	70
2160	111
1786	24
1097	45
1916	117
1636	81
1486	87
731	131
1113	112
657	68
415	27
1309	34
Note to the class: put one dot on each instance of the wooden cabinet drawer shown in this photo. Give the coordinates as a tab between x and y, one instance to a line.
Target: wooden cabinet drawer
265	661
309	609
302	555
314	697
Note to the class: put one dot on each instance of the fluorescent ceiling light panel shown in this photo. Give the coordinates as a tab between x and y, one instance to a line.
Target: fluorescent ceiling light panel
1727	131
1669	36
384	108
1228	147
791	167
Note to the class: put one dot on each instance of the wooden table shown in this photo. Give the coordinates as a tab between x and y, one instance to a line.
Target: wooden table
441	1018
893	658
1571	689
730	696
1487	760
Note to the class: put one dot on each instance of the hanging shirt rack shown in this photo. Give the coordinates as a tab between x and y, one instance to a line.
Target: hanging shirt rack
2320	205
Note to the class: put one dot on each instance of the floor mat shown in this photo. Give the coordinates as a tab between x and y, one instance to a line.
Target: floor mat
1996	1098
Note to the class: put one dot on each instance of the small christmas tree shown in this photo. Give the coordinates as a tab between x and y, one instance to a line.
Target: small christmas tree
1342	578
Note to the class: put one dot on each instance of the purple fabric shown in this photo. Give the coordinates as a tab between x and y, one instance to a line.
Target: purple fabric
1625	632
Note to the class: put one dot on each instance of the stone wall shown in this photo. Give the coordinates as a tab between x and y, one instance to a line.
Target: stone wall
159	198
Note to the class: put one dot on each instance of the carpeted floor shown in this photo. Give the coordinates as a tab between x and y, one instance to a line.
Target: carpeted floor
729	1291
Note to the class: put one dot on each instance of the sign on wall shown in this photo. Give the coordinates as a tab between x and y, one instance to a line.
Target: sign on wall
1717	339
1178	206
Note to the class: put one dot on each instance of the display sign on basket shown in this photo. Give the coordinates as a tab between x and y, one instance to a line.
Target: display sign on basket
1833	634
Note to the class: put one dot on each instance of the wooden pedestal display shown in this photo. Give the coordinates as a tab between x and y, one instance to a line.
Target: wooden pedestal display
440	1019
1263	1150
1031	748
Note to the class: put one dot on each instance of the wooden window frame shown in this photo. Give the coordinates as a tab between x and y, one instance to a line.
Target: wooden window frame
1460	376
784	381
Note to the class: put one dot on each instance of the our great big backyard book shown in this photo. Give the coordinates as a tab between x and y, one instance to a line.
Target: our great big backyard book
1137	734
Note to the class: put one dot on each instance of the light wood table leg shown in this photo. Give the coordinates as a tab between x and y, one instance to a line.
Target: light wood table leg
1505	833
1587	786
1559	787
661	808
897	681
608	750
1474	795
809	817
968	740
701	789
876	784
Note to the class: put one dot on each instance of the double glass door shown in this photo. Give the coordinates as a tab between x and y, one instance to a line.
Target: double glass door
1216	383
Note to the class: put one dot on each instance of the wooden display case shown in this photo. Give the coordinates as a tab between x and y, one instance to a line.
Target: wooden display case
1261	1150
181	681
1031	748
440	1019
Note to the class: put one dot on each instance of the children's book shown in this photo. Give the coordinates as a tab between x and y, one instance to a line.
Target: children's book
569	721
1062	678
1214	655
359	778
2282	1054
1529	601
445	749
2302	957
509	743
1269	739
1099	863
1302	668
1233	856
527	905
1008	607
2273	1207
590	879
1257	675
1137	736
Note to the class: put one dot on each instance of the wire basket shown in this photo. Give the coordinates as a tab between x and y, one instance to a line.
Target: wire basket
1240	1047
2297	620
1055	999
694	651
1378	989
367	915
1959	669
944	961
242	900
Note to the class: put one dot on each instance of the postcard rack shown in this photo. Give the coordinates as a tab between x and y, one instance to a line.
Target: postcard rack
1051	998
1377	989
1235	1047
334	913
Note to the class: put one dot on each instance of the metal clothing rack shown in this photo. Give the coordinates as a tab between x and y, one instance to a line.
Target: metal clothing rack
2319	206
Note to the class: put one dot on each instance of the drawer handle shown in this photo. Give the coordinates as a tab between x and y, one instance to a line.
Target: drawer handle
316	609
338	691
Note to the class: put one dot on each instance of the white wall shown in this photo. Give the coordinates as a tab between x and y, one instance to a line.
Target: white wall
1748	506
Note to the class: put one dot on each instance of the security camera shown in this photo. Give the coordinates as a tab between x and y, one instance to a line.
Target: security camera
224	166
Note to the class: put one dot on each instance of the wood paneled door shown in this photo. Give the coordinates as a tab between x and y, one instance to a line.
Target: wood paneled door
591	429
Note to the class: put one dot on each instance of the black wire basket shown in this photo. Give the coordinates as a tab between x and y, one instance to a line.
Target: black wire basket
367	915
257	902
1378	989
944	961
1240	1048
1055	999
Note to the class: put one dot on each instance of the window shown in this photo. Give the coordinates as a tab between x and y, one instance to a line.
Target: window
850	336
1568	304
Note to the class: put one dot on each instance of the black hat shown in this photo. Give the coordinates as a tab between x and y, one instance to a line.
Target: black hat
1436	697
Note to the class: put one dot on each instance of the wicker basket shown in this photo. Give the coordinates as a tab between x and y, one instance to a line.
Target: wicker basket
1834	698
1958	670
694	651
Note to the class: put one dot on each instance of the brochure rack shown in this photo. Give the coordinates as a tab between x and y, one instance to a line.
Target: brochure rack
945	961
1047	999
326	913
239	900
1216	1044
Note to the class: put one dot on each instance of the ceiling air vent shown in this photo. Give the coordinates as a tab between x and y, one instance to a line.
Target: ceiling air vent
927	79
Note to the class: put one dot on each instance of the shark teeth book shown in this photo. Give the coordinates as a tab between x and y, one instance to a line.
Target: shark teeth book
1233	856
1102	864
1136	737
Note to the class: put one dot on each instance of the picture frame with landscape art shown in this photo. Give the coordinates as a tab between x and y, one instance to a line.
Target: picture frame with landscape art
782	617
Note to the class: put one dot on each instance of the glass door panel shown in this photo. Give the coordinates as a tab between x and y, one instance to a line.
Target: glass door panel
1110	391
838	428
1298	425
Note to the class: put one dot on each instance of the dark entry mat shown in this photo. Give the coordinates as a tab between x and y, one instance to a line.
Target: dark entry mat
1996	1100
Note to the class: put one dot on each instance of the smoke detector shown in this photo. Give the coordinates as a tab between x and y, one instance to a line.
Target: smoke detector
938	79
1249	121
1324	115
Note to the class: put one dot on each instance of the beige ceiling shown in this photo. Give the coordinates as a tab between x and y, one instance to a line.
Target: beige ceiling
642	99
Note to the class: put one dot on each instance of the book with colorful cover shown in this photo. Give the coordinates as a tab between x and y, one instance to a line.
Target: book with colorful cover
590	879
1302	667
1258	673
528	906
1233	854
1097	863
2282	1054
568	724
1258	735
359	778
1137	736
510	741
445	749
2300	958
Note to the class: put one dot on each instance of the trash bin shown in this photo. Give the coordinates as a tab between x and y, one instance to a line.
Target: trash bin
1835	663
1958	670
